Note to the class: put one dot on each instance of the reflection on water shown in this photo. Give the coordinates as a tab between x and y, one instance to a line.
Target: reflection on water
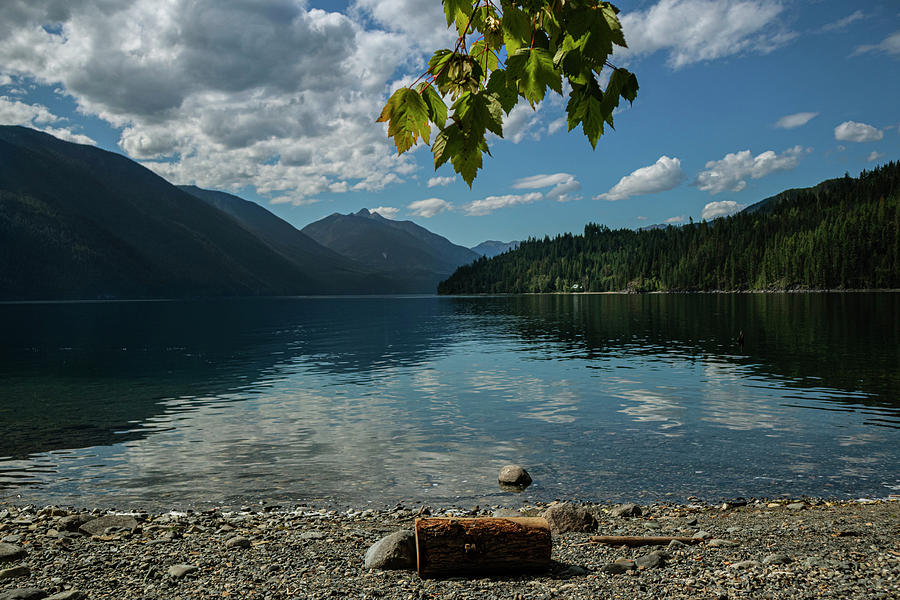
374	400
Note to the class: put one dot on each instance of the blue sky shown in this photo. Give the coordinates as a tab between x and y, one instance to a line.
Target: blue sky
276	100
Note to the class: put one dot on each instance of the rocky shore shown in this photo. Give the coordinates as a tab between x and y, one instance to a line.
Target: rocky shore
761	549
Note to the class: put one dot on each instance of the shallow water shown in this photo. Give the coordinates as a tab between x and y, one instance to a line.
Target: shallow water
355	401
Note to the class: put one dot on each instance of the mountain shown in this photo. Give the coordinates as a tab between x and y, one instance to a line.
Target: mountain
492	248
400	249
77	222
841	234
336	273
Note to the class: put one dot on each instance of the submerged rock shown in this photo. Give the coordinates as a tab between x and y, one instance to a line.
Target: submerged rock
515	476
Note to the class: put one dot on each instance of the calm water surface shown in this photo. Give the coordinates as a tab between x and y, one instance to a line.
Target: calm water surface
357	401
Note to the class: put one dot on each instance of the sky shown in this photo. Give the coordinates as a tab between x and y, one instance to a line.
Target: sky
276	101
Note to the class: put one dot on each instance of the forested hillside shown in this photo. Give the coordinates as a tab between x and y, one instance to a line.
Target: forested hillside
841	234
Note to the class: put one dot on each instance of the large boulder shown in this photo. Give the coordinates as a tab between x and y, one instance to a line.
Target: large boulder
395	551
568	517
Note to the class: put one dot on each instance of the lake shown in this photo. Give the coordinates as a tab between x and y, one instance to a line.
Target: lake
367	401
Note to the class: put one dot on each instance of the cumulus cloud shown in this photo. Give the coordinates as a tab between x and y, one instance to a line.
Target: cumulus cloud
675	220
665	174
691	31
37	116
732	171
851	131
388	212
488	205
522	123
873	156
714	210
556	125
563	186
273	95
889	45
796	120
429	207
441	181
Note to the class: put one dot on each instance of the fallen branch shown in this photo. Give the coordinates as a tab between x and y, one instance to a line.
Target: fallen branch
628	540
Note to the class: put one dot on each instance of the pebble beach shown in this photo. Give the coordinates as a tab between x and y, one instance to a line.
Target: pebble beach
762	549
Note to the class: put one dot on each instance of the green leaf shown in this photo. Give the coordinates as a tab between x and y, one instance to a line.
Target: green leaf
407	116
463	150
506	94
437	110
483	54
533	70
516	28
586	107
453	7
477	112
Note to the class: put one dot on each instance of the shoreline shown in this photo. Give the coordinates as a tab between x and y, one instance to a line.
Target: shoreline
785	548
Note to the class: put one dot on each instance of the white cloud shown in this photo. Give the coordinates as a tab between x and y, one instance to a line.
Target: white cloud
5	79
37	116
889	45
14	112
699	30
522	123
563	184
441	181
796	120
272	95
665	174
675	220
732	171
851	131
293	200
429	207
714	210
488	205
556	125
873	156
842	23
641	218
388	212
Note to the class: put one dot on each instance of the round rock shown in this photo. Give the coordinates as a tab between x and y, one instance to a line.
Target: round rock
514	475
395	551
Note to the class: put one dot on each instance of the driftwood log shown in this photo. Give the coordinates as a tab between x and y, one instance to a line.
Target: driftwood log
451	546
627	540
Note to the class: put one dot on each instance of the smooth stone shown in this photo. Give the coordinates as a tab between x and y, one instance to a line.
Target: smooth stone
23	594
73	522
627	510
812	562
717	543
745	564
777	559
702	535
653	525
17	571
613	569
797	505
568	517
652	560
394	551
179	571
574	571
312	535
514	475
99	525
237	541
10	552
68	595
675	545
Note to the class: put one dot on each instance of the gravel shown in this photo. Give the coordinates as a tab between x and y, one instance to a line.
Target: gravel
826	550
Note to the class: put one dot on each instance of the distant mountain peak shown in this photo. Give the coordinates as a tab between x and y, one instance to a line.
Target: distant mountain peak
363	212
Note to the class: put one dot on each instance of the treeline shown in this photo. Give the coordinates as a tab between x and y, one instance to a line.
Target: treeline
841	234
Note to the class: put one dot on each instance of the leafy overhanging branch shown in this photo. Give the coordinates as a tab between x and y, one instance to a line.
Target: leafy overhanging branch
519	50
